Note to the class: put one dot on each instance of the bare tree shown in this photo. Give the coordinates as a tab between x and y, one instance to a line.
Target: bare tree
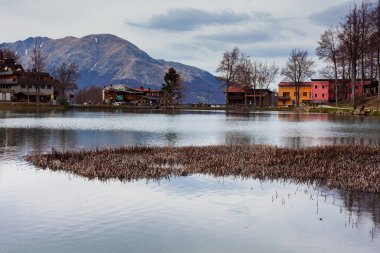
38	64
351	40
378	47
366	34
246	74
67	76
266	74
91	95
298	69
357	49
228	68
10	54
328	51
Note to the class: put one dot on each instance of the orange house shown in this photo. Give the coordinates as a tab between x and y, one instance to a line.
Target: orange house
287	94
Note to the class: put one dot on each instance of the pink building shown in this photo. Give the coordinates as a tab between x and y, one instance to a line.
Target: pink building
320	91
323	90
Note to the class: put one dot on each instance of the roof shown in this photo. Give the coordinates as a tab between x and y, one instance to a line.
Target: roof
237	89
292	84
34	94
146	90
339	80
125	88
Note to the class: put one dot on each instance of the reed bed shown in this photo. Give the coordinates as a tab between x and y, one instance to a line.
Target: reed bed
343	167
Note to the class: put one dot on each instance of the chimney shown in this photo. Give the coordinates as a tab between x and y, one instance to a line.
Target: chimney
142	87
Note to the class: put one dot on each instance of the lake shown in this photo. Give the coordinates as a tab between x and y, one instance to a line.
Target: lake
44	211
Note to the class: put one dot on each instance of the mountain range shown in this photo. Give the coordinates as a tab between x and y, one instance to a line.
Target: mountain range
105	59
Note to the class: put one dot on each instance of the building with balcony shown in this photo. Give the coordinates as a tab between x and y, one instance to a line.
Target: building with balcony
238	95
121	93
287	93
18	85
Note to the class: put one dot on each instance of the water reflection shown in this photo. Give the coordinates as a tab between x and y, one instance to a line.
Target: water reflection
199	212
171	138
359	206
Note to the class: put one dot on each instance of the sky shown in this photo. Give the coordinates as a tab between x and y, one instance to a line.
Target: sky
195	32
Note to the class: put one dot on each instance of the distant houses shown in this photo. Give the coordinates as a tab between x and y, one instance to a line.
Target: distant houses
322	91
316	91
249	96
121	93
18	85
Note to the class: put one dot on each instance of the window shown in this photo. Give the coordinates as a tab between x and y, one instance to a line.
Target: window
49	87
286	94
316	86
29	86
42	86
315	95
22	86
323	95
323	86
305	94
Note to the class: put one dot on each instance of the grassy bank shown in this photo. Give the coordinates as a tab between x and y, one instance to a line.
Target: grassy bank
142	108
14	105
347	167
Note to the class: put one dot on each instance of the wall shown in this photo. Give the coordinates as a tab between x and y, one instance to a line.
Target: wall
320	91
305	95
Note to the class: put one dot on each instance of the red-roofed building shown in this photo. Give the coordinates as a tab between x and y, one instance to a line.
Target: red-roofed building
149	92
248	96
324	89
121	93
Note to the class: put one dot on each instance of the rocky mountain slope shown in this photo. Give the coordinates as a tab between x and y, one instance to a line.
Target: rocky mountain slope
104	59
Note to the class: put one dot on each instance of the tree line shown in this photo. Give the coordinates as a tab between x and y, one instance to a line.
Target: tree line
350	51
238	69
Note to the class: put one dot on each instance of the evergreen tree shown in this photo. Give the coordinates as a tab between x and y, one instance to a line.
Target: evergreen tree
173	89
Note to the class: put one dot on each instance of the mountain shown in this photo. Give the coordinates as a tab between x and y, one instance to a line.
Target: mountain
105	59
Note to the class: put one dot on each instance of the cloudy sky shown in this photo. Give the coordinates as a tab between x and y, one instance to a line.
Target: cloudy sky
194	32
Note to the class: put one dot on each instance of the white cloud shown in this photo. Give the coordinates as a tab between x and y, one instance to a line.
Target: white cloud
266	29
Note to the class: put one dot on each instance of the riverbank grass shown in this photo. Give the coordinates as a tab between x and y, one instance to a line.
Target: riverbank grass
346	167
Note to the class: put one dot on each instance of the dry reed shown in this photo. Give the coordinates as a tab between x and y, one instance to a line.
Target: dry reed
343	167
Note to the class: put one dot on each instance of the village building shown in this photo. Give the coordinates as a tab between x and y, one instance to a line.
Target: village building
18	85
121	93
287	93
238	95
323	90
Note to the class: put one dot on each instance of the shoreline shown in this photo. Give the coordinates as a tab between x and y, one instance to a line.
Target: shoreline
231	109
343	167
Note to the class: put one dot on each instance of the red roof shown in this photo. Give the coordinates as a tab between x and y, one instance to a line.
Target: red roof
290	84
146	90
235	89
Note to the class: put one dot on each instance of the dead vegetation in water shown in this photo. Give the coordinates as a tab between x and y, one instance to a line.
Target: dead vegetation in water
343	167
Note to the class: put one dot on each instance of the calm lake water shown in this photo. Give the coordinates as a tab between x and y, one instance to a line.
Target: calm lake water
44	211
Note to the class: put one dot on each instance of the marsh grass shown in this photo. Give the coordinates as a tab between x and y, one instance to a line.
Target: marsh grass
343	167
